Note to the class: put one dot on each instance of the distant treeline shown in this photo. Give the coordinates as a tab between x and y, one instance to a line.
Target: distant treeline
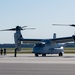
31	45
13	45
69	45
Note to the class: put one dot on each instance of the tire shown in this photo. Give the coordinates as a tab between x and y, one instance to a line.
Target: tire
43	55
36	55
60	54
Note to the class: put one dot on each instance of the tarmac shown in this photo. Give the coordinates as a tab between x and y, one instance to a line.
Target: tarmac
30	58
28	64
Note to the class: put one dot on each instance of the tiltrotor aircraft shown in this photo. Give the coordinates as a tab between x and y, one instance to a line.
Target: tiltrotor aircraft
42	46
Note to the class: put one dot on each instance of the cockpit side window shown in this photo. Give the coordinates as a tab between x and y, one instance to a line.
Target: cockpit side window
40	45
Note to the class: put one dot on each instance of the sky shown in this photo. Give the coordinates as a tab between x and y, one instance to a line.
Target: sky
39	14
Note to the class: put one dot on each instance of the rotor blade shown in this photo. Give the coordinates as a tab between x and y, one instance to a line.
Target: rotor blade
64	25
23	26
18	28
13	29
29	28
61	24
73	25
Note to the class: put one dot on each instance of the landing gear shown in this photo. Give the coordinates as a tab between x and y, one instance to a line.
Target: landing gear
15	52
60	54
36	55
44	55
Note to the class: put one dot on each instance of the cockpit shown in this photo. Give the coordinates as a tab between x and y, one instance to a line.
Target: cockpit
39	45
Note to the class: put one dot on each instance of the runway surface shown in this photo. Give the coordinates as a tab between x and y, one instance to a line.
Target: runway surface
30	58
27	64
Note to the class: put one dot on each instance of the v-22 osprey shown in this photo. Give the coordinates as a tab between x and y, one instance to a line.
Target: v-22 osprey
41	46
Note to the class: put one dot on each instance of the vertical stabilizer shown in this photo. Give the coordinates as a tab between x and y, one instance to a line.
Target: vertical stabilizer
54	35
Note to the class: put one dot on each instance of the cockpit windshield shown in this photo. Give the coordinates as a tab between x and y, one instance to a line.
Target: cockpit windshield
40	45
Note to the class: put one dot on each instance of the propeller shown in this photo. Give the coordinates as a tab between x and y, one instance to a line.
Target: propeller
29	28
73	25
23	26
17	28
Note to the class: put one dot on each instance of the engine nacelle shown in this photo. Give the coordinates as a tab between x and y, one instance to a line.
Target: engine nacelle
17	36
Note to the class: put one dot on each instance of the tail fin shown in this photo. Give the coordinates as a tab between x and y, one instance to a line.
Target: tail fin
54	35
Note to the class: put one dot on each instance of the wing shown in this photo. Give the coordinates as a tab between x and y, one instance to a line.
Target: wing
31	40
63	39
57	40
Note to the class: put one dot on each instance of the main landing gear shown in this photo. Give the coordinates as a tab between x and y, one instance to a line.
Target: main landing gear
43	55
60	54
